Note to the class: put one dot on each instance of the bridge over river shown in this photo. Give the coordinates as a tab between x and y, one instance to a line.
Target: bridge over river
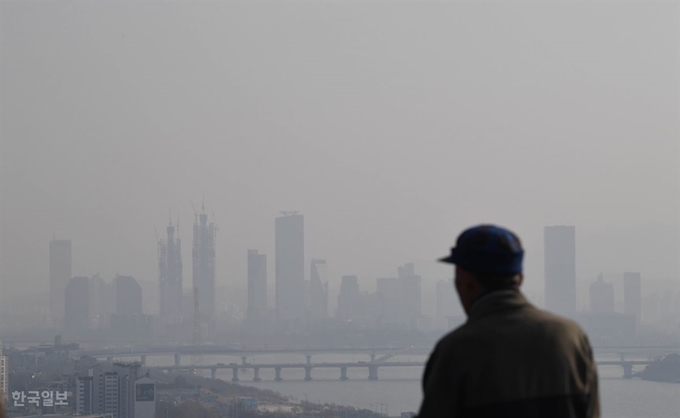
372	353
372	367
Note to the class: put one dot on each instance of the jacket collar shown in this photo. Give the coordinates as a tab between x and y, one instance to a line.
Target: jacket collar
496	301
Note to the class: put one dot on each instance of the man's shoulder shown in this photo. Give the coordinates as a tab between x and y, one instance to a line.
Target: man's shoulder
457	337
557	323
542	322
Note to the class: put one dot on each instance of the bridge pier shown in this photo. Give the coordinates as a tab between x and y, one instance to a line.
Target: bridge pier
278	374
177	359
234	374
213	373
144	360
256	374
373	372
308	373
244	360
343	373
309	359
627	371
372	356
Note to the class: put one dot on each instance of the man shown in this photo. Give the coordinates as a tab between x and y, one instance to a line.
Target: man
509	359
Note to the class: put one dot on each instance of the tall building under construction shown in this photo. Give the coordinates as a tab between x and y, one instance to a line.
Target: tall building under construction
204	269
170	276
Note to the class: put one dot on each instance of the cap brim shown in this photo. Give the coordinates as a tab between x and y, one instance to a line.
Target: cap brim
448	260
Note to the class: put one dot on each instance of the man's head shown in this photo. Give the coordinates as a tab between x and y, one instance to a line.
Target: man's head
487	258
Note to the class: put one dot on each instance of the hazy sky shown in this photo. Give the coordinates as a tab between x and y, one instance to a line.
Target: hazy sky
390	125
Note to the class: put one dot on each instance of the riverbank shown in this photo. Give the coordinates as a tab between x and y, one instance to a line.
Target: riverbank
179	394
666	370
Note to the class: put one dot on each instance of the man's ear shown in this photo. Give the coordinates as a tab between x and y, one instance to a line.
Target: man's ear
520	279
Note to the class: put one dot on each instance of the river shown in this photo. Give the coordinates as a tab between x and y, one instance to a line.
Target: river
398	389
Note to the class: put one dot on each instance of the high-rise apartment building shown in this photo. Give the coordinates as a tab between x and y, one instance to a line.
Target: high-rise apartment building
60	275
77	304
204	268
632	294
560	269
601	296
84	395
257	285
128	296
4	375
318	290
170	277
117	390
289	266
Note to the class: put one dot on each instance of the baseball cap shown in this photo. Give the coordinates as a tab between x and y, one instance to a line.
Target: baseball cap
487	248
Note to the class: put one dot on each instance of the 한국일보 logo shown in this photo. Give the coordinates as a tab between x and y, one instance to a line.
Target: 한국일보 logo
39	398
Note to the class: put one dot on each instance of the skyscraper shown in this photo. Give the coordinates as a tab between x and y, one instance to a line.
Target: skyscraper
170	277
128	296
400	297
289	266
411	295
257	285
349	299
632	294
318	290
560	269
601	296
77	304
60	274
389	293
102	302
447	304
204	268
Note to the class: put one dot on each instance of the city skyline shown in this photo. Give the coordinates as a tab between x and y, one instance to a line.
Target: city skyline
580	297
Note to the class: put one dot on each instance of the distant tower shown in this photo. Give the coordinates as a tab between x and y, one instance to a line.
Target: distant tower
411	294
601	296
632	294
257	285
128	296
560	269
204	268
318	290
170	277
60	275
77	303
349	299
447	304
290	266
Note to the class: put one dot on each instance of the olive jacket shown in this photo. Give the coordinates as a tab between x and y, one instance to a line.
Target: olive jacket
511	359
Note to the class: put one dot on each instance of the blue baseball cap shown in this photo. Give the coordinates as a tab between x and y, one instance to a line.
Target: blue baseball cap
489	249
